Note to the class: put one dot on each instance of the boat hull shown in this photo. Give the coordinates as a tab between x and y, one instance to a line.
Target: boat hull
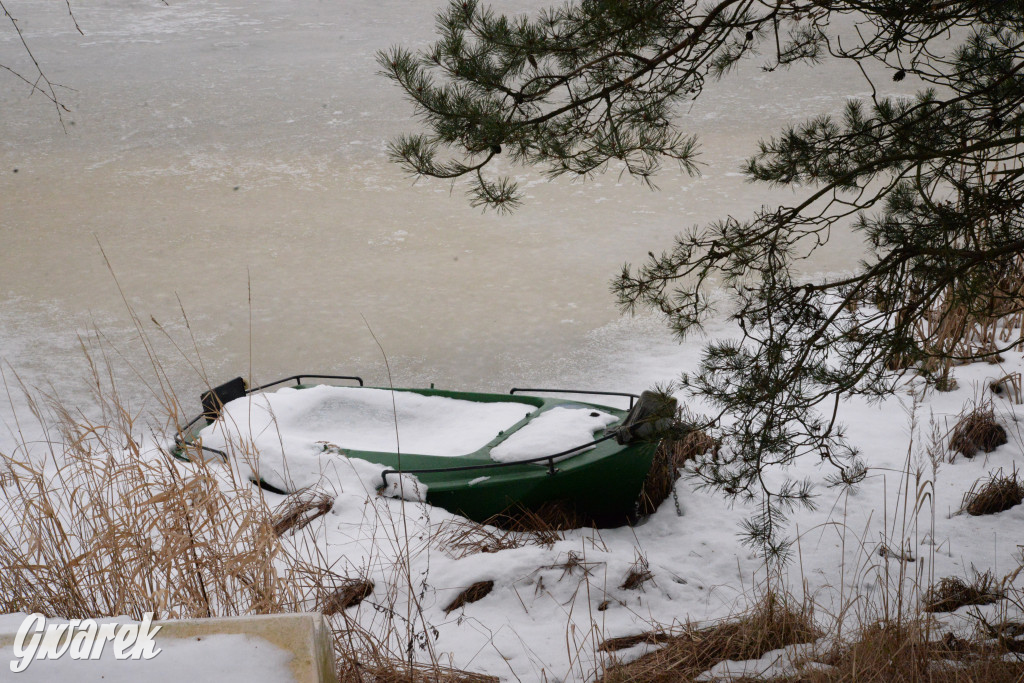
603	487
600	484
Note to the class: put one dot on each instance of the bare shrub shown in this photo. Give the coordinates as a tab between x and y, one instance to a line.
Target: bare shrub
977	430
996	493
952	593
477	591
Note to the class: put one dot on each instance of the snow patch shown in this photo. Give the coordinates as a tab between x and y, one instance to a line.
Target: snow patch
557	430
323	418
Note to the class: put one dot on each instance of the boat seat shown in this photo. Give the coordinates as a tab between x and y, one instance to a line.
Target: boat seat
213	400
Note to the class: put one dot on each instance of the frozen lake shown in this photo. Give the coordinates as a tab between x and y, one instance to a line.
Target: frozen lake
229	157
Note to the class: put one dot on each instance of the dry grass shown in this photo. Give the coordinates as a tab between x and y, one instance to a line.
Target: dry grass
952	593
401	672
1009	386
573	561
882	652
977	431
1008	633
97	529
461	537
299	509
549	520
996	493
350	593
477	591
626	642
670	456
638	575
910	651
887	652
772	624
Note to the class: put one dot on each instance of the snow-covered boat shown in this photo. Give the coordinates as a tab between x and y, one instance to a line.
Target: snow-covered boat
475	454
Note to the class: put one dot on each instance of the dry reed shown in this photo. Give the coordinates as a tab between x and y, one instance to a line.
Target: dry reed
771	624
951	593
475	592
996	493
977	430
99	528
300	509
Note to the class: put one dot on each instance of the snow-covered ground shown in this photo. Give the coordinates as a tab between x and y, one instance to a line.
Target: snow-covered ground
543	619
551	607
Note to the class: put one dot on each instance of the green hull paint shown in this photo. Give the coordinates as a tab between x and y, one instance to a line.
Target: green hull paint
601	483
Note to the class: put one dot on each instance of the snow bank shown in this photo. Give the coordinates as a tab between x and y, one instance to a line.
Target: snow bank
557	430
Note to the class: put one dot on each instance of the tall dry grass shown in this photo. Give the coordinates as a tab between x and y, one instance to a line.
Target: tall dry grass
95	523
97	520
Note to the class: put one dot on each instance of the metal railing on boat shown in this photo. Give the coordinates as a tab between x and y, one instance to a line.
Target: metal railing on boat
632	397
493	465
180	443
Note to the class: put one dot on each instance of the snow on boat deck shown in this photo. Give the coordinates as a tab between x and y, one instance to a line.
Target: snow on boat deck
301	420
555	431
298	434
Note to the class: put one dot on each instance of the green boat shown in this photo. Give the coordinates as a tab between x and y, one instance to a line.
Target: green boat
599	478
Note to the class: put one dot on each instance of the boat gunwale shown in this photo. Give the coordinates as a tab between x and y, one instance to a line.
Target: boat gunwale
479	459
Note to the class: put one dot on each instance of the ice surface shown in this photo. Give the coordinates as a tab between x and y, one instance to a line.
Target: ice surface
557	430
